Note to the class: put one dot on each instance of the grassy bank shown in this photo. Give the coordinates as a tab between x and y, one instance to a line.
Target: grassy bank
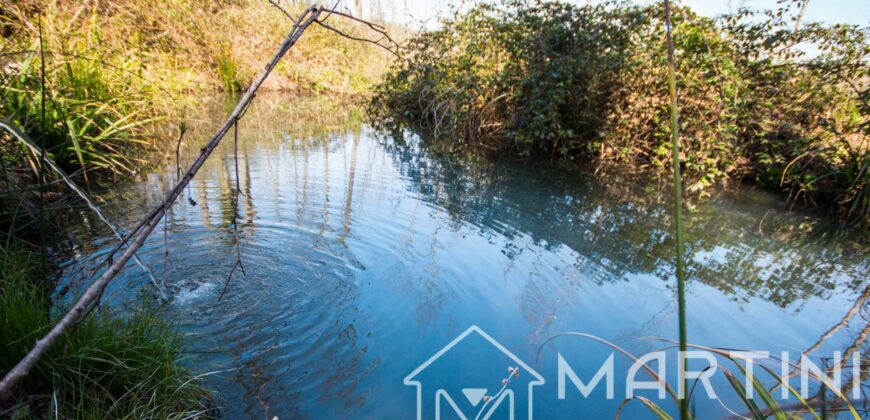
88	80
591	83
111	366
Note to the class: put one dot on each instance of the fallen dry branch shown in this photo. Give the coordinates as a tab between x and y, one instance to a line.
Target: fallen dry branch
385	41
136	238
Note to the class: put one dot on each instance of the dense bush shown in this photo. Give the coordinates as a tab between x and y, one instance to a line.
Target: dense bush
537	76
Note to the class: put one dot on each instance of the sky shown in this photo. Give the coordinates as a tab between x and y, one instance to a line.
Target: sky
856	12
828	11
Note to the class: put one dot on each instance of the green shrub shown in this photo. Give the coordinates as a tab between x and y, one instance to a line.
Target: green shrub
591	82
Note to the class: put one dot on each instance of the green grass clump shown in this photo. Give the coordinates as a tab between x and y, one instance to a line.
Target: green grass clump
110	366
228	70
86	123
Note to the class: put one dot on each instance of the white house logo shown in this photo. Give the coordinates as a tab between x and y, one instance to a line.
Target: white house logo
462	380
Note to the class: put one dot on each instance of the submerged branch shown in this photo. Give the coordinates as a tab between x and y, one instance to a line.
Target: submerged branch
238	190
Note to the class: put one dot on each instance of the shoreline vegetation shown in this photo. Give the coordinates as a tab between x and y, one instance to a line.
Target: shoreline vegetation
590	83
102	86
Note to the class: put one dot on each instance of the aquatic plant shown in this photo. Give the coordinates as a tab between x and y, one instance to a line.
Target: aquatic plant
678	203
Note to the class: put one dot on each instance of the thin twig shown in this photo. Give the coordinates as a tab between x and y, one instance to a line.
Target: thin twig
278	6
376	42
166	217
797	28
42	178
182	129
329	12
238	264
513	372
391	45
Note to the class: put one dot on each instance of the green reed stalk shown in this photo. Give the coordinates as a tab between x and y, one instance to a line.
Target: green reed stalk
678	205
42	179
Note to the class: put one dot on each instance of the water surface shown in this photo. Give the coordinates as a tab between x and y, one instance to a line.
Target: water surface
364	255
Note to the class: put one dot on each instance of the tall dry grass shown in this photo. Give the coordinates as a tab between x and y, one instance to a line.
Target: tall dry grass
88	79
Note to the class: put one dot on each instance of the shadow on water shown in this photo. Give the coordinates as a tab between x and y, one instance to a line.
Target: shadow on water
364	255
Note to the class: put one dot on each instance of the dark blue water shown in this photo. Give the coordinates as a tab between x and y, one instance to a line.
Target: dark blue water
363	256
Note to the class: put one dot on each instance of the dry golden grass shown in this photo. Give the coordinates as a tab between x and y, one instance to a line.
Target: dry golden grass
195	45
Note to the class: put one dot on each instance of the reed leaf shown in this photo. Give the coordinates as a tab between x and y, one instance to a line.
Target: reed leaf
653	407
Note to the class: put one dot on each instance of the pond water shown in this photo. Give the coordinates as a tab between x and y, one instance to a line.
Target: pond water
364	256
